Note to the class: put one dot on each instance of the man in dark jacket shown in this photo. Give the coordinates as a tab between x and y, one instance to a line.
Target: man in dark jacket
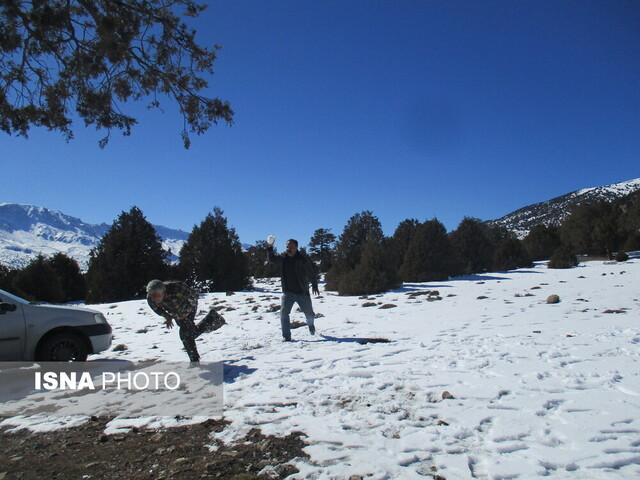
297	272
176	301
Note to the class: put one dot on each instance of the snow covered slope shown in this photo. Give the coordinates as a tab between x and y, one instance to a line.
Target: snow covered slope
27	230
554	211
538	389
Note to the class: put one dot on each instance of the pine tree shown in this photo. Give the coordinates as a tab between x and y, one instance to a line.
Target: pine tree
71	279
511	254
128	256
429	255
212	256
402	237
38	281
259	267
473	242
360	228
86	60
593	228
373	274
6	278
353	272
321	248
542	241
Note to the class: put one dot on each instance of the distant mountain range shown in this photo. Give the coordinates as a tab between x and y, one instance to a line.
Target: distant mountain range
27	230
554	211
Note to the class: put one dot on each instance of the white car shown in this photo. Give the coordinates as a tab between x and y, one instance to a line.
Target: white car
49	333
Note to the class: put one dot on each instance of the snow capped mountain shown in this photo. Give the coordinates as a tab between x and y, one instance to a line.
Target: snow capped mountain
27	230
554	211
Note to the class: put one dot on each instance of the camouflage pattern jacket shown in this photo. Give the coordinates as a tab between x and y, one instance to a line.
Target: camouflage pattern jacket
179	302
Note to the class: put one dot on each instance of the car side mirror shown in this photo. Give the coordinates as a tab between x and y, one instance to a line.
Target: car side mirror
7	307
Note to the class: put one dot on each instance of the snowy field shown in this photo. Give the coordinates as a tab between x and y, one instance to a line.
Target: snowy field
538	389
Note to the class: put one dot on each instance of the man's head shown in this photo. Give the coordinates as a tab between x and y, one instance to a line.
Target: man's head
155	291
292	247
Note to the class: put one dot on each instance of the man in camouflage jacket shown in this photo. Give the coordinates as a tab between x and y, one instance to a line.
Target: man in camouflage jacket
176	301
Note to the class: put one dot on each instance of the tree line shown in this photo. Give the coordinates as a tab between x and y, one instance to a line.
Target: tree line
362	260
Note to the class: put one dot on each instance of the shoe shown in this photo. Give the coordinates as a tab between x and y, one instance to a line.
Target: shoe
212	322
286	339
312	329
194	364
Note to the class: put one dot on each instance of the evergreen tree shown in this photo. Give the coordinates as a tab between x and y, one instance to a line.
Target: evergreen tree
71	279
542	241
128	256
402	237
473	242
353	272
373	274
76	59
321	248
429	255
629	223
259	267
593	228
6	278
632	243
361	228
212	256
511	254
38	281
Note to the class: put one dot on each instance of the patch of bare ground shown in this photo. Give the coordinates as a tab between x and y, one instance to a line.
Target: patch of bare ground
85	452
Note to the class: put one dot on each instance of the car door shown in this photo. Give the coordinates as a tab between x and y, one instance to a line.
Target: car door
12	331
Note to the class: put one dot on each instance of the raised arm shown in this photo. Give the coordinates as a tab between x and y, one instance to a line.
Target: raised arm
272	257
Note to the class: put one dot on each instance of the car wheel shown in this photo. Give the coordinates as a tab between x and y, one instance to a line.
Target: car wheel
64	347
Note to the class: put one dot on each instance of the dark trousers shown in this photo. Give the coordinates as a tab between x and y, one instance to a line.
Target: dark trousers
189	331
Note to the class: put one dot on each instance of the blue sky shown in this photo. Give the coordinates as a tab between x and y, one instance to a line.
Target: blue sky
407	108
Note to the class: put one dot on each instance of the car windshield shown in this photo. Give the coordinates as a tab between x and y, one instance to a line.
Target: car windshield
12	297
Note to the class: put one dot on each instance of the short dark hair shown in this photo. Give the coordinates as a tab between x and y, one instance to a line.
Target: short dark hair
293	240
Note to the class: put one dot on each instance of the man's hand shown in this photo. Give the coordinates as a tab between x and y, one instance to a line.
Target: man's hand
271	239
315	291
168	323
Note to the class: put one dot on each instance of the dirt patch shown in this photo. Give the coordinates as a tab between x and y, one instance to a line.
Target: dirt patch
615	310
85	452
364	341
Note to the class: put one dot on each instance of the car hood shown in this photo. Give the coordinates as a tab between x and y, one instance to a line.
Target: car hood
65	307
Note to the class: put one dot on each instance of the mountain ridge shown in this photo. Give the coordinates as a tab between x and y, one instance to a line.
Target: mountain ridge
555	210
28	230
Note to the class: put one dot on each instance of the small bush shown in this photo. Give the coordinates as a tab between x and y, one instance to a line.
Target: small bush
563	257
621	256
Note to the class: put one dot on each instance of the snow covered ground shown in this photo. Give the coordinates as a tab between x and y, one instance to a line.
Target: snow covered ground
538	389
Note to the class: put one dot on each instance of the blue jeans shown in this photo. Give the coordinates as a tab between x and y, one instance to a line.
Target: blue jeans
304	301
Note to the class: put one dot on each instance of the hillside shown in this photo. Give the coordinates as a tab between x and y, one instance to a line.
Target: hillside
554	211
27	230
